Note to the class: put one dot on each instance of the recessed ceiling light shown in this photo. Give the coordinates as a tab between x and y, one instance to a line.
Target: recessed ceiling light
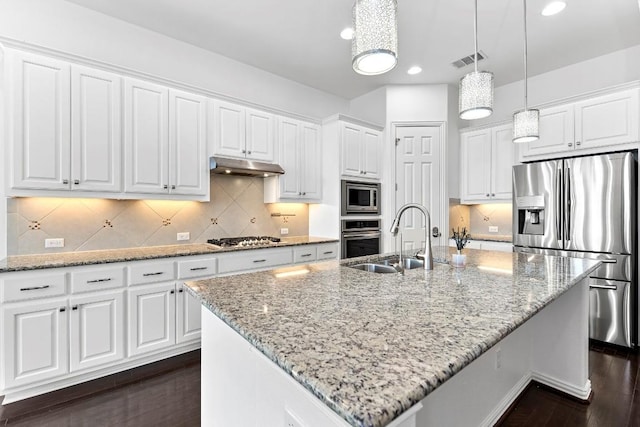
553	7
347	33
414	70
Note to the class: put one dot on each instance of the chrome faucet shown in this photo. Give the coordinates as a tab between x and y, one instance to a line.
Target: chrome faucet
427	254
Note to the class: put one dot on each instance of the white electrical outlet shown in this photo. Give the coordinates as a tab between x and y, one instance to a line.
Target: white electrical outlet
284	231
54	243
183	236
493	229
498	358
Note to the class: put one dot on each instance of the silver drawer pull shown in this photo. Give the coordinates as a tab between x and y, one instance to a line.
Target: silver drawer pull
259	260
157	273
611	287
609	261
327	253
198	268
304	255
35	288
108	279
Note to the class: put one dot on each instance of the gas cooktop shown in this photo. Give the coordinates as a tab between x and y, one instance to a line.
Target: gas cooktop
230	242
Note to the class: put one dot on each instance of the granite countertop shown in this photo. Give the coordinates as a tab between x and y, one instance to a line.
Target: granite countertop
371	345
71	259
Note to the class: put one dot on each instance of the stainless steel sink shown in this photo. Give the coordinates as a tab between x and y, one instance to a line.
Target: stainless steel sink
375	268
408	263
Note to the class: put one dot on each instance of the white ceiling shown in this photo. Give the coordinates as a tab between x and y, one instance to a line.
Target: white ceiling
299	39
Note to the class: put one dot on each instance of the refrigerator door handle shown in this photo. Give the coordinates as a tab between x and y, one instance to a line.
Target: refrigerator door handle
567	210
626	301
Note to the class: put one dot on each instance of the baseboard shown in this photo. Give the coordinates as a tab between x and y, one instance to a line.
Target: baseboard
582	394
505	404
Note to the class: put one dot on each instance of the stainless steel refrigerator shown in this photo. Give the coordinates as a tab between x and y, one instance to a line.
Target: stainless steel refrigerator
586	207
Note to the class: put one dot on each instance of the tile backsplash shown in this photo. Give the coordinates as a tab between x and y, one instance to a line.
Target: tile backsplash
478	218
236	208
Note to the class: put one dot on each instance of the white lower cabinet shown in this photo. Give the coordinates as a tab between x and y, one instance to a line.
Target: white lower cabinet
188	316
96	330
152	318
34	341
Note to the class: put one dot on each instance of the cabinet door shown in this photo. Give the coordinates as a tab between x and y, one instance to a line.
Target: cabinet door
556	133
476	166
311	162
152	318
96	134
370	154
260	135
351	150
41	128
229	129
188	309
188	162
608	120
34	343
502	159
96	330
289	136
145	137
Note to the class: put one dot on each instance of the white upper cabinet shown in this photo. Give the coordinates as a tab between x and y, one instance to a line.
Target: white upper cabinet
146	137
299	148
586	127
96	134
40	125
487	160
188	173
165	140
360	151
243	132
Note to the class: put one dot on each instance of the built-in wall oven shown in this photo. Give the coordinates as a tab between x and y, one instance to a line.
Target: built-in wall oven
360	237
360	198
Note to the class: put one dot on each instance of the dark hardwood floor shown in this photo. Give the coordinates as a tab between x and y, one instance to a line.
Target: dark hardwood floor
168	394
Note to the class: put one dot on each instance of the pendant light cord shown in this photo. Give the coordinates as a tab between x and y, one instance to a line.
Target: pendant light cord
475	34
524	7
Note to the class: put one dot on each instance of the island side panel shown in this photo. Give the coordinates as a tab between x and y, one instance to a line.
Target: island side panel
560	351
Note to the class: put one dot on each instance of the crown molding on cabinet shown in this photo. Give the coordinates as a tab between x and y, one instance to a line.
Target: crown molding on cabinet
353	121
78	59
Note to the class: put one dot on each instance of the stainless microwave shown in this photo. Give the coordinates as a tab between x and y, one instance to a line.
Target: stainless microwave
360	198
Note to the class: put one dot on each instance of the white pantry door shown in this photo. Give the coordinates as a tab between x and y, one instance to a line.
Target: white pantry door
418	181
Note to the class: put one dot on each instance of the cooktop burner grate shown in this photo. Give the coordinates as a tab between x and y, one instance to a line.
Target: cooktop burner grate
227	242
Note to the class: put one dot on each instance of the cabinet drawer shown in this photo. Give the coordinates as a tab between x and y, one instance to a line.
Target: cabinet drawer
151	272
97	279
32	285
251	260
304	253
197	268
328	251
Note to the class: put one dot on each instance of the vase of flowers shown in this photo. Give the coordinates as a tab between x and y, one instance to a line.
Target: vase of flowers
461	238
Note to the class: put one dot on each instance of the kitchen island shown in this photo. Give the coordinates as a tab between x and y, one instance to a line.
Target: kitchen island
444	347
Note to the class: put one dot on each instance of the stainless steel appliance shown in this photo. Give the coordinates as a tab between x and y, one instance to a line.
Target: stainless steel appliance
586	207
360	198
360	237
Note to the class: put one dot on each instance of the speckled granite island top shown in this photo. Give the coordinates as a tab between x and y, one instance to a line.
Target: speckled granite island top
371	345
71	259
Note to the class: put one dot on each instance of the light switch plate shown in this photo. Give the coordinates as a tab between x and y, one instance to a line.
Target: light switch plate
54	243
183	236
493	229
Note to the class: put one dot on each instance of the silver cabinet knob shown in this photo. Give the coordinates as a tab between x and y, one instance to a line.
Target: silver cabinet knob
577	142
173	187
244	151
76	181
65	181
364	172
249	152
165	186
304	194
570	144
487	194
493	194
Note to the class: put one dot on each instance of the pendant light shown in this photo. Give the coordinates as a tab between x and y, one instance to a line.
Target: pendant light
526	123
476	88
374	45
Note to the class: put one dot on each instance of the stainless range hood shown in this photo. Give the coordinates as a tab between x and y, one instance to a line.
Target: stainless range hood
227	166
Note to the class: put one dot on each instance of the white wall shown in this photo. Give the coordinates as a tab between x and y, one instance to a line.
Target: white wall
73	29
371	107
604	71
453	144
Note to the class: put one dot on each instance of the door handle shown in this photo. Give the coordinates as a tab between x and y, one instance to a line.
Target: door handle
435	232
609	287
567	213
